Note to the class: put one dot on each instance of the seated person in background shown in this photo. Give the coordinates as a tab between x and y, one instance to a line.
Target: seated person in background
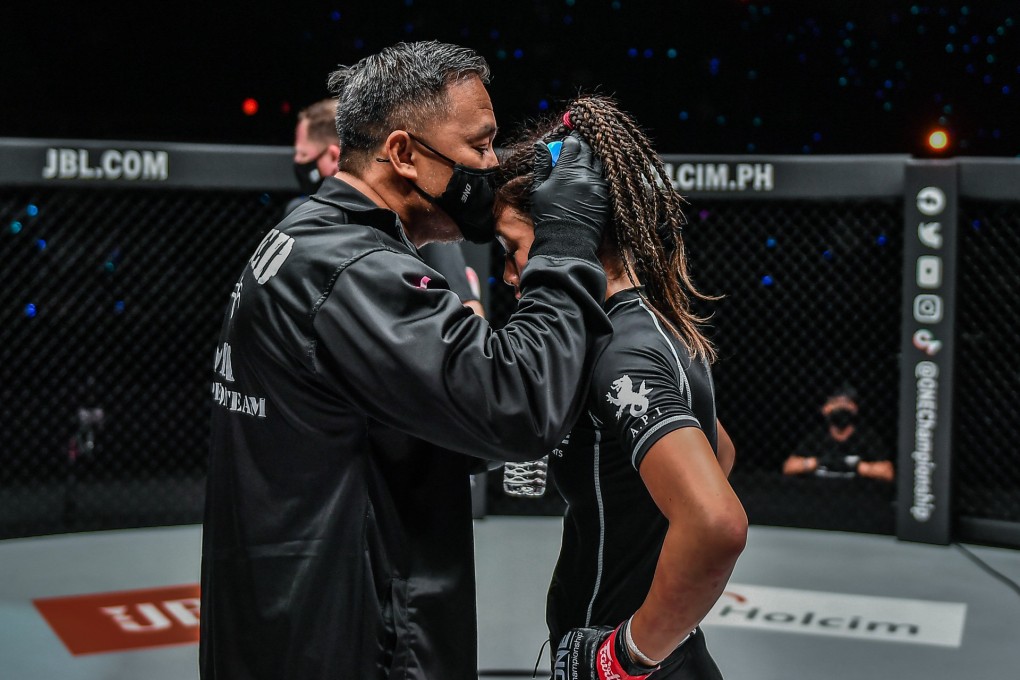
843	448
317	156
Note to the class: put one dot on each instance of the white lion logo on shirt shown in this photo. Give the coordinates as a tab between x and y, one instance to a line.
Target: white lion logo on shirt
626	396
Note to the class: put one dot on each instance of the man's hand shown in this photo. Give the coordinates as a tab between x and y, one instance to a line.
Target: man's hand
573	194
596	654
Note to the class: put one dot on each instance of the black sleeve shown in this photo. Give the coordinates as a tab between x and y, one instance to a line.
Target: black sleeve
642	394
292	204
869	447
448	260
417	360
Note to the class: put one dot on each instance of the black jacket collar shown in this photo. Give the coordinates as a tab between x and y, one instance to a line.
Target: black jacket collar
357	205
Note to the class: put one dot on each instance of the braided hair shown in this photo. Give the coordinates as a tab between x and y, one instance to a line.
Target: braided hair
645	230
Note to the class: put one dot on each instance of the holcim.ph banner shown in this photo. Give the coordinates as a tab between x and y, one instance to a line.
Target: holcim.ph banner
809	612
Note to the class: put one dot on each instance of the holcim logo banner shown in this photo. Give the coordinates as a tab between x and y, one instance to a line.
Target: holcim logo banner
807	612
121	621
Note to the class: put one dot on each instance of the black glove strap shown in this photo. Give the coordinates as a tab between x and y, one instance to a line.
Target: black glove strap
565	239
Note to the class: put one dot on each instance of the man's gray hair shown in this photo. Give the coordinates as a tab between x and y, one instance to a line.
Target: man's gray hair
400	88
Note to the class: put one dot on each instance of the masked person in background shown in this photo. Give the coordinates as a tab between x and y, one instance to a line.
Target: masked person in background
317	156
843	449
349	381
652	529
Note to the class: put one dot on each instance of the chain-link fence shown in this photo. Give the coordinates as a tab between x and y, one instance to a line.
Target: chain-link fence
113	297
987	459
111	303
811	301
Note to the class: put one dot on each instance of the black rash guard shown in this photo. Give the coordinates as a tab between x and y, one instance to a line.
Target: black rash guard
645	385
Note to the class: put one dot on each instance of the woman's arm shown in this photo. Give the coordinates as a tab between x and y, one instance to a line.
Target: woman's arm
727	452
707	532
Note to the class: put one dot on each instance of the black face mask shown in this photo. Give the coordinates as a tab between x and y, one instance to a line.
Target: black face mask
468	199
308	176
841	418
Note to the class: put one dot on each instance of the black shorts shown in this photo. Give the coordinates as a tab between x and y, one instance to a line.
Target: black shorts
691	662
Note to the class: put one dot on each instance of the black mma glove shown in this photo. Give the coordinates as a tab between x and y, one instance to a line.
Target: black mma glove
569	201
596	654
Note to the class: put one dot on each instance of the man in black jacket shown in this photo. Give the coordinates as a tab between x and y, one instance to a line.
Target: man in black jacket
317	156
338	537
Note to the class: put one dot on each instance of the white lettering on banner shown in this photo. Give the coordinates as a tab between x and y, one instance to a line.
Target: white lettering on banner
129	164
807	612
237	402
153	618
925	419
186	611
149	618
721	176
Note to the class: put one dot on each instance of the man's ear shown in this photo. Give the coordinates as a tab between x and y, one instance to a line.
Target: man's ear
398	150
333	153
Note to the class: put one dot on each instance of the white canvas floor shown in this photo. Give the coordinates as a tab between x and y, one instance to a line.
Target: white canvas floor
782	574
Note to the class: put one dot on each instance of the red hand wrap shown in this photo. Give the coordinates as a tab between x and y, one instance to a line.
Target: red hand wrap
608	666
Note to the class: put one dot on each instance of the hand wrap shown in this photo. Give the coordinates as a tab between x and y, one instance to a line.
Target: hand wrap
596	654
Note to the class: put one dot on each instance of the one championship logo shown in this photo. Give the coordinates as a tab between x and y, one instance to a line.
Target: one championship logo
626	396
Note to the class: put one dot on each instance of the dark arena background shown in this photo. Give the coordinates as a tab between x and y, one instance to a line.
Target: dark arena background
851	171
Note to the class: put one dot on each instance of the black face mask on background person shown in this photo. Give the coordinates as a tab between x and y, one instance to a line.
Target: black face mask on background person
468	199
308	176
841	418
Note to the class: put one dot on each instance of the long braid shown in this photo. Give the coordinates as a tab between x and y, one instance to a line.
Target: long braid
647	215
642	199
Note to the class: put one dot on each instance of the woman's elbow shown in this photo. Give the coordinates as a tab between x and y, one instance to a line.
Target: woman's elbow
727	531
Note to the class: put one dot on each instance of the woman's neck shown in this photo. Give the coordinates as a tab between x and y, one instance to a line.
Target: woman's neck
616	277
614	286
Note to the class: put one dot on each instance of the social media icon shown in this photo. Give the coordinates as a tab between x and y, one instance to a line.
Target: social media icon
928	308
930	234
931	201
929	271
925	341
